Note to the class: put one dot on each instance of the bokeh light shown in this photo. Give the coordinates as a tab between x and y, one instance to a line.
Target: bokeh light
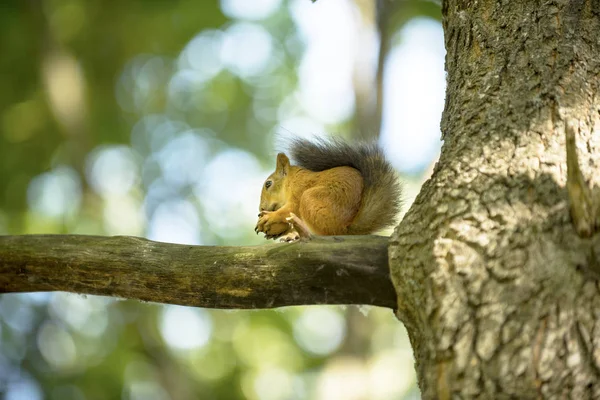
55	193
23	388
325	71
320	330
414	94
242	9
175	221
57	346
185	328
112	170
246	49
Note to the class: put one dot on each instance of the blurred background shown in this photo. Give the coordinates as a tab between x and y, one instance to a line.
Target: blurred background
161	119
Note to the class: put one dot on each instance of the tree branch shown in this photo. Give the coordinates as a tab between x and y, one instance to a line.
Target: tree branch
329	270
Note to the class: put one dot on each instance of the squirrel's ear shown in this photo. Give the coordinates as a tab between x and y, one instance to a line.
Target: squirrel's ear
283	164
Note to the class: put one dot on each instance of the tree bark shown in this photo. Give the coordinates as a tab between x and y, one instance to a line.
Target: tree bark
331	270
494	284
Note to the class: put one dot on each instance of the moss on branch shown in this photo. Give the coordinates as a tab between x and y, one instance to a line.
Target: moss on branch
330	270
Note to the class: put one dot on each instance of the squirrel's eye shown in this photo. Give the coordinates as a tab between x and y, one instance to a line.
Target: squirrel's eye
268	184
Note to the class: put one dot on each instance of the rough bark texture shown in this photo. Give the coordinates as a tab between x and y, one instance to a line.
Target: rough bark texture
332	270
494	285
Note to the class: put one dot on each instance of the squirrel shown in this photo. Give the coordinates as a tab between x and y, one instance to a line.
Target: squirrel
335	188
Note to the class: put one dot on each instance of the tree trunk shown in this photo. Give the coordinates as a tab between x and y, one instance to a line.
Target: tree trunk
494	285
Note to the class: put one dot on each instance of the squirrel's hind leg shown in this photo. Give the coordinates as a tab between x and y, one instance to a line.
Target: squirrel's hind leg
299	226
297	231
329	210
291	236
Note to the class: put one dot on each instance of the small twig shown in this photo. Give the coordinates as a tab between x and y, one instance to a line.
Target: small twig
581	201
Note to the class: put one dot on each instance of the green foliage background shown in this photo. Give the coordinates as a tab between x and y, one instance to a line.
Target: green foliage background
83	81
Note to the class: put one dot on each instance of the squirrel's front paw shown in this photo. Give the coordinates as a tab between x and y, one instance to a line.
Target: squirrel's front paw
271	225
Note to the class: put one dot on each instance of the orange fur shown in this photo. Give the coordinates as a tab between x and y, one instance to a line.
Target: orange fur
326	201
337	189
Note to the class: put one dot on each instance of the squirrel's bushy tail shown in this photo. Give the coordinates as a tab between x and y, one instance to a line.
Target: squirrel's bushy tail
381	190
